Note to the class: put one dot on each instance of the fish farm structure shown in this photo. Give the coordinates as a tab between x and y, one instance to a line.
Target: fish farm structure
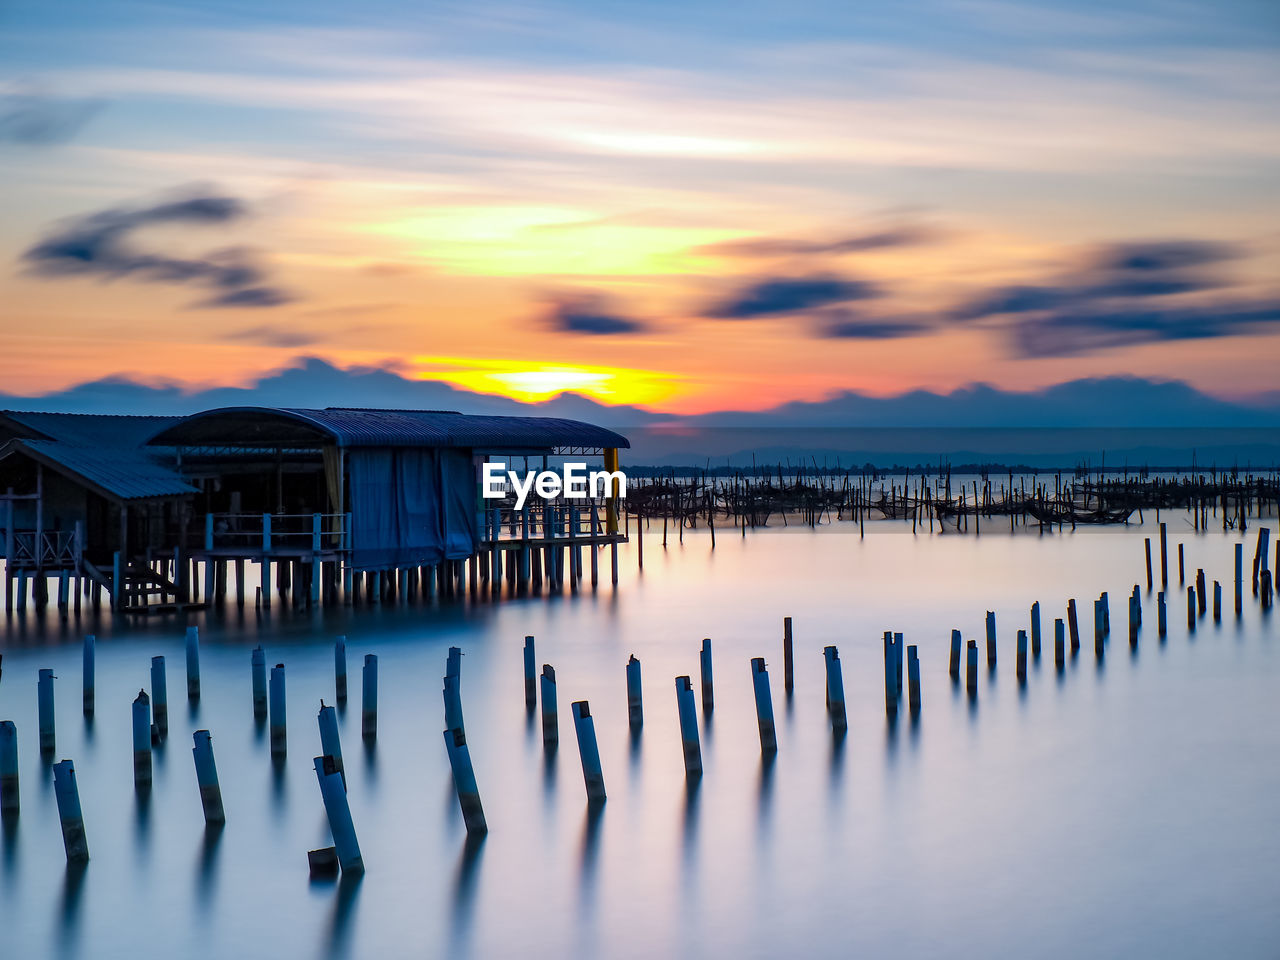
151	513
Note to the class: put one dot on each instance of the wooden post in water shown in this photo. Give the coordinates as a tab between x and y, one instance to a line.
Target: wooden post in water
1201	594
589	751
90	641
193	663
708	691
340	668
1239	578
279	736
68	796
207	778
10	802
1191	609
991	639
160	696
369	698
1182	578
688	727
1147	542
835	690
330	742
971	667
530	676
334	794
1059	643
913	680
953	667
1164	555
550	717
764	706
142	740
1162	621
788	661
1035	630
635	701
1217	602
44	704
258	667
464	781
452	690
1022	655
1073	625
890	673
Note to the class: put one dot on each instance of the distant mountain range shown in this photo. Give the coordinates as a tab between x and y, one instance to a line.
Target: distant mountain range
1125	419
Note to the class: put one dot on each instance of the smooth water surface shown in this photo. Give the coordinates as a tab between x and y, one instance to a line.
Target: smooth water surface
1124	808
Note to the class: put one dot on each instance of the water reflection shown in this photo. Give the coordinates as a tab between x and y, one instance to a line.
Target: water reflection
689	826
371	763
279	787
764	797
142	821
207	866
836	769
590	860
68	925
465	884
9	838
344	901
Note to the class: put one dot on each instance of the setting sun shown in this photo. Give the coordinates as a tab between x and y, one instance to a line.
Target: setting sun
532	381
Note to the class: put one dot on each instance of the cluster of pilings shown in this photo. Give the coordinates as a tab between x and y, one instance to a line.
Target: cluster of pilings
150	724
901	662
748	500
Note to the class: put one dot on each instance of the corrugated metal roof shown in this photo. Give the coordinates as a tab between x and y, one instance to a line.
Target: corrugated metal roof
87	429
359	427
125	473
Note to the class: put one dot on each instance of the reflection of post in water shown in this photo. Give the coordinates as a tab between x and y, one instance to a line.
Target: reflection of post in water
69	914
764	793
689	833
207	864
344	902
465	882
590	852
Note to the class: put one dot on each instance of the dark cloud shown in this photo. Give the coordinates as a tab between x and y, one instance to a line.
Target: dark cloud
845	325
1058	334
37	119
1124	295
789	246
590	313
274	336
1114	272
1156	255
98	245
782	295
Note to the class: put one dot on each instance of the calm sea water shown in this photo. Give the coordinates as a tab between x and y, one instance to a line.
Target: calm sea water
1121	809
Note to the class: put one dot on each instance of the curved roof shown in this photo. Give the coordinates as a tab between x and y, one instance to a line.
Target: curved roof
358	427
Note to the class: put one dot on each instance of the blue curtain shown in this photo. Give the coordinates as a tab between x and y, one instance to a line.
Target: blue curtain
458	493
410	507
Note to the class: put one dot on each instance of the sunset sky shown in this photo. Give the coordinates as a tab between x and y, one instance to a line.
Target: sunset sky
689	206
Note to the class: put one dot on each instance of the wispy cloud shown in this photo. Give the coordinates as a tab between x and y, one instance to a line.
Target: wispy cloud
35	117
1123	295
782	295
99	245
764	246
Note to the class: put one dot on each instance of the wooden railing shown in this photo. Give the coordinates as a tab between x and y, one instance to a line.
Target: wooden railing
48	548
251	533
